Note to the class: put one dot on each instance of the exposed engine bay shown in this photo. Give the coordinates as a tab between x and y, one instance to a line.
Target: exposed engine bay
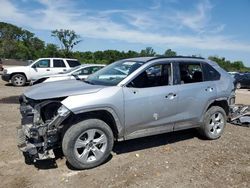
41	128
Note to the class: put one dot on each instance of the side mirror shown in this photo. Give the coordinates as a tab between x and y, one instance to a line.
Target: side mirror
34	66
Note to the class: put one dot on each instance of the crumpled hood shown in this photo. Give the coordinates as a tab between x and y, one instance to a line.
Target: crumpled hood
58	89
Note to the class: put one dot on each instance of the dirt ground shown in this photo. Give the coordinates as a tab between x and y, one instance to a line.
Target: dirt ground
180	159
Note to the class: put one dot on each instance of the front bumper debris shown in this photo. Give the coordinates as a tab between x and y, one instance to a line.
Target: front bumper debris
6	77
240	115
35	137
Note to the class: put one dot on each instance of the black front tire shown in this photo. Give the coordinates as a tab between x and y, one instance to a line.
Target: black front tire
18	80
72	135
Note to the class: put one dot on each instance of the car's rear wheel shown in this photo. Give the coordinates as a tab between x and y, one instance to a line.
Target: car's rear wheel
214	123
18	80
87	144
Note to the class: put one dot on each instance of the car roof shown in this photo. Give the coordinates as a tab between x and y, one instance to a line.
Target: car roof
90	65
59	58
174	58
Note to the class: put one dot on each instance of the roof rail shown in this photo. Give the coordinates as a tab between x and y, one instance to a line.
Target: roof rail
161	57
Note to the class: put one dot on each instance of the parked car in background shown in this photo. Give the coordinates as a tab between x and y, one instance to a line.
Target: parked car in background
156	95
1	65
233	73
80	72
242	80
19	75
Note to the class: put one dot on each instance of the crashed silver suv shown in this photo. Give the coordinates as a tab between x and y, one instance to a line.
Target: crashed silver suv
128	99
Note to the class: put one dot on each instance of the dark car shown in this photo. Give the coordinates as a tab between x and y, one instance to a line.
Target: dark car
242	80
1	65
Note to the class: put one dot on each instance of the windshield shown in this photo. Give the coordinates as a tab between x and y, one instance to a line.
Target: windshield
114	73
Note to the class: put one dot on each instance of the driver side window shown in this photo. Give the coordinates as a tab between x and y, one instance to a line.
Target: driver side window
155	76
44	63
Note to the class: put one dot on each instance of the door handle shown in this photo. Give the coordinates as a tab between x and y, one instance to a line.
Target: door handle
171	96
64	69
209	89
47	69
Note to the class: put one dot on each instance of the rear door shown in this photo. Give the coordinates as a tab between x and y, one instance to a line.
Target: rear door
194	94
58	66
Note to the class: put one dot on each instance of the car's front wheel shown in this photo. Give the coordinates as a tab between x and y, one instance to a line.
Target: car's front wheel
88	143
214	123
18	80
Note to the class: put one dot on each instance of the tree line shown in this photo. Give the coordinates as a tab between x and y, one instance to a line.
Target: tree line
18	43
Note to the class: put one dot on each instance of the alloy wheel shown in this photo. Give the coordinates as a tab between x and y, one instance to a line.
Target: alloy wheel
90	146
216	123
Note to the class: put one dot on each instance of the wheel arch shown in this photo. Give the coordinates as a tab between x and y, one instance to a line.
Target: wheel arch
14	73
221	103
105	114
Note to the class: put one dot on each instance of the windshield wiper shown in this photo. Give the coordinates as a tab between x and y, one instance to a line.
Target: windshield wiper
88	82
76	77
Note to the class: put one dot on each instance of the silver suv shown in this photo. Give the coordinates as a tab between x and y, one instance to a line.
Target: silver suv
128	99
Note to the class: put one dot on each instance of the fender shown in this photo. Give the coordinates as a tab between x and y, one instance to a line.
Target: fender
210	102
119	125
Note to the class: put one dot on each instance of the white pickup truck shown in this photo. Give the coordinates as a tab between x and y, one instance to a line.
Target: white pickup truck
19	75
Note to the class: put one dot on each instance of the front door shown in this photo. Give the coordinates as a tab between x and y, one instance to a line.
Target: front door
41	68
150	101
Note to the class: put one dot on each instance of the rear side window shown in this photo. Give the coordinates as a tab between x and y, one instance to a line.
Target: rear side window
88	70
58	63
210	74
73	63
190	72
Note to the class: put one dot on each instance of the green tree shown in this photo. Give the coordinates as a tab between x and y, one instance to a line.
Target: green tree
16	42
68	39
51	50
228	65
238	65
147	52
170	53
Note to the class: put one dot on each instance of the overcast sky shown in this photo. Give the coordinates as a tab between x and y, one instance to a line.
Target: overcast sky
193	27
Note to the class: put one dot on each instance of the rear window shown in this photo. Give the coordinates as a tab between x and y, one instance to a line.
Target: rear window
73	63
58	63
210	73
190	72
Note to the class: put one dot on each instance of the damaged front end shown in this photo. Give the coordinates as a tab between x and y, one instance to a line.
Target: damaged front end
39	132
240	115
